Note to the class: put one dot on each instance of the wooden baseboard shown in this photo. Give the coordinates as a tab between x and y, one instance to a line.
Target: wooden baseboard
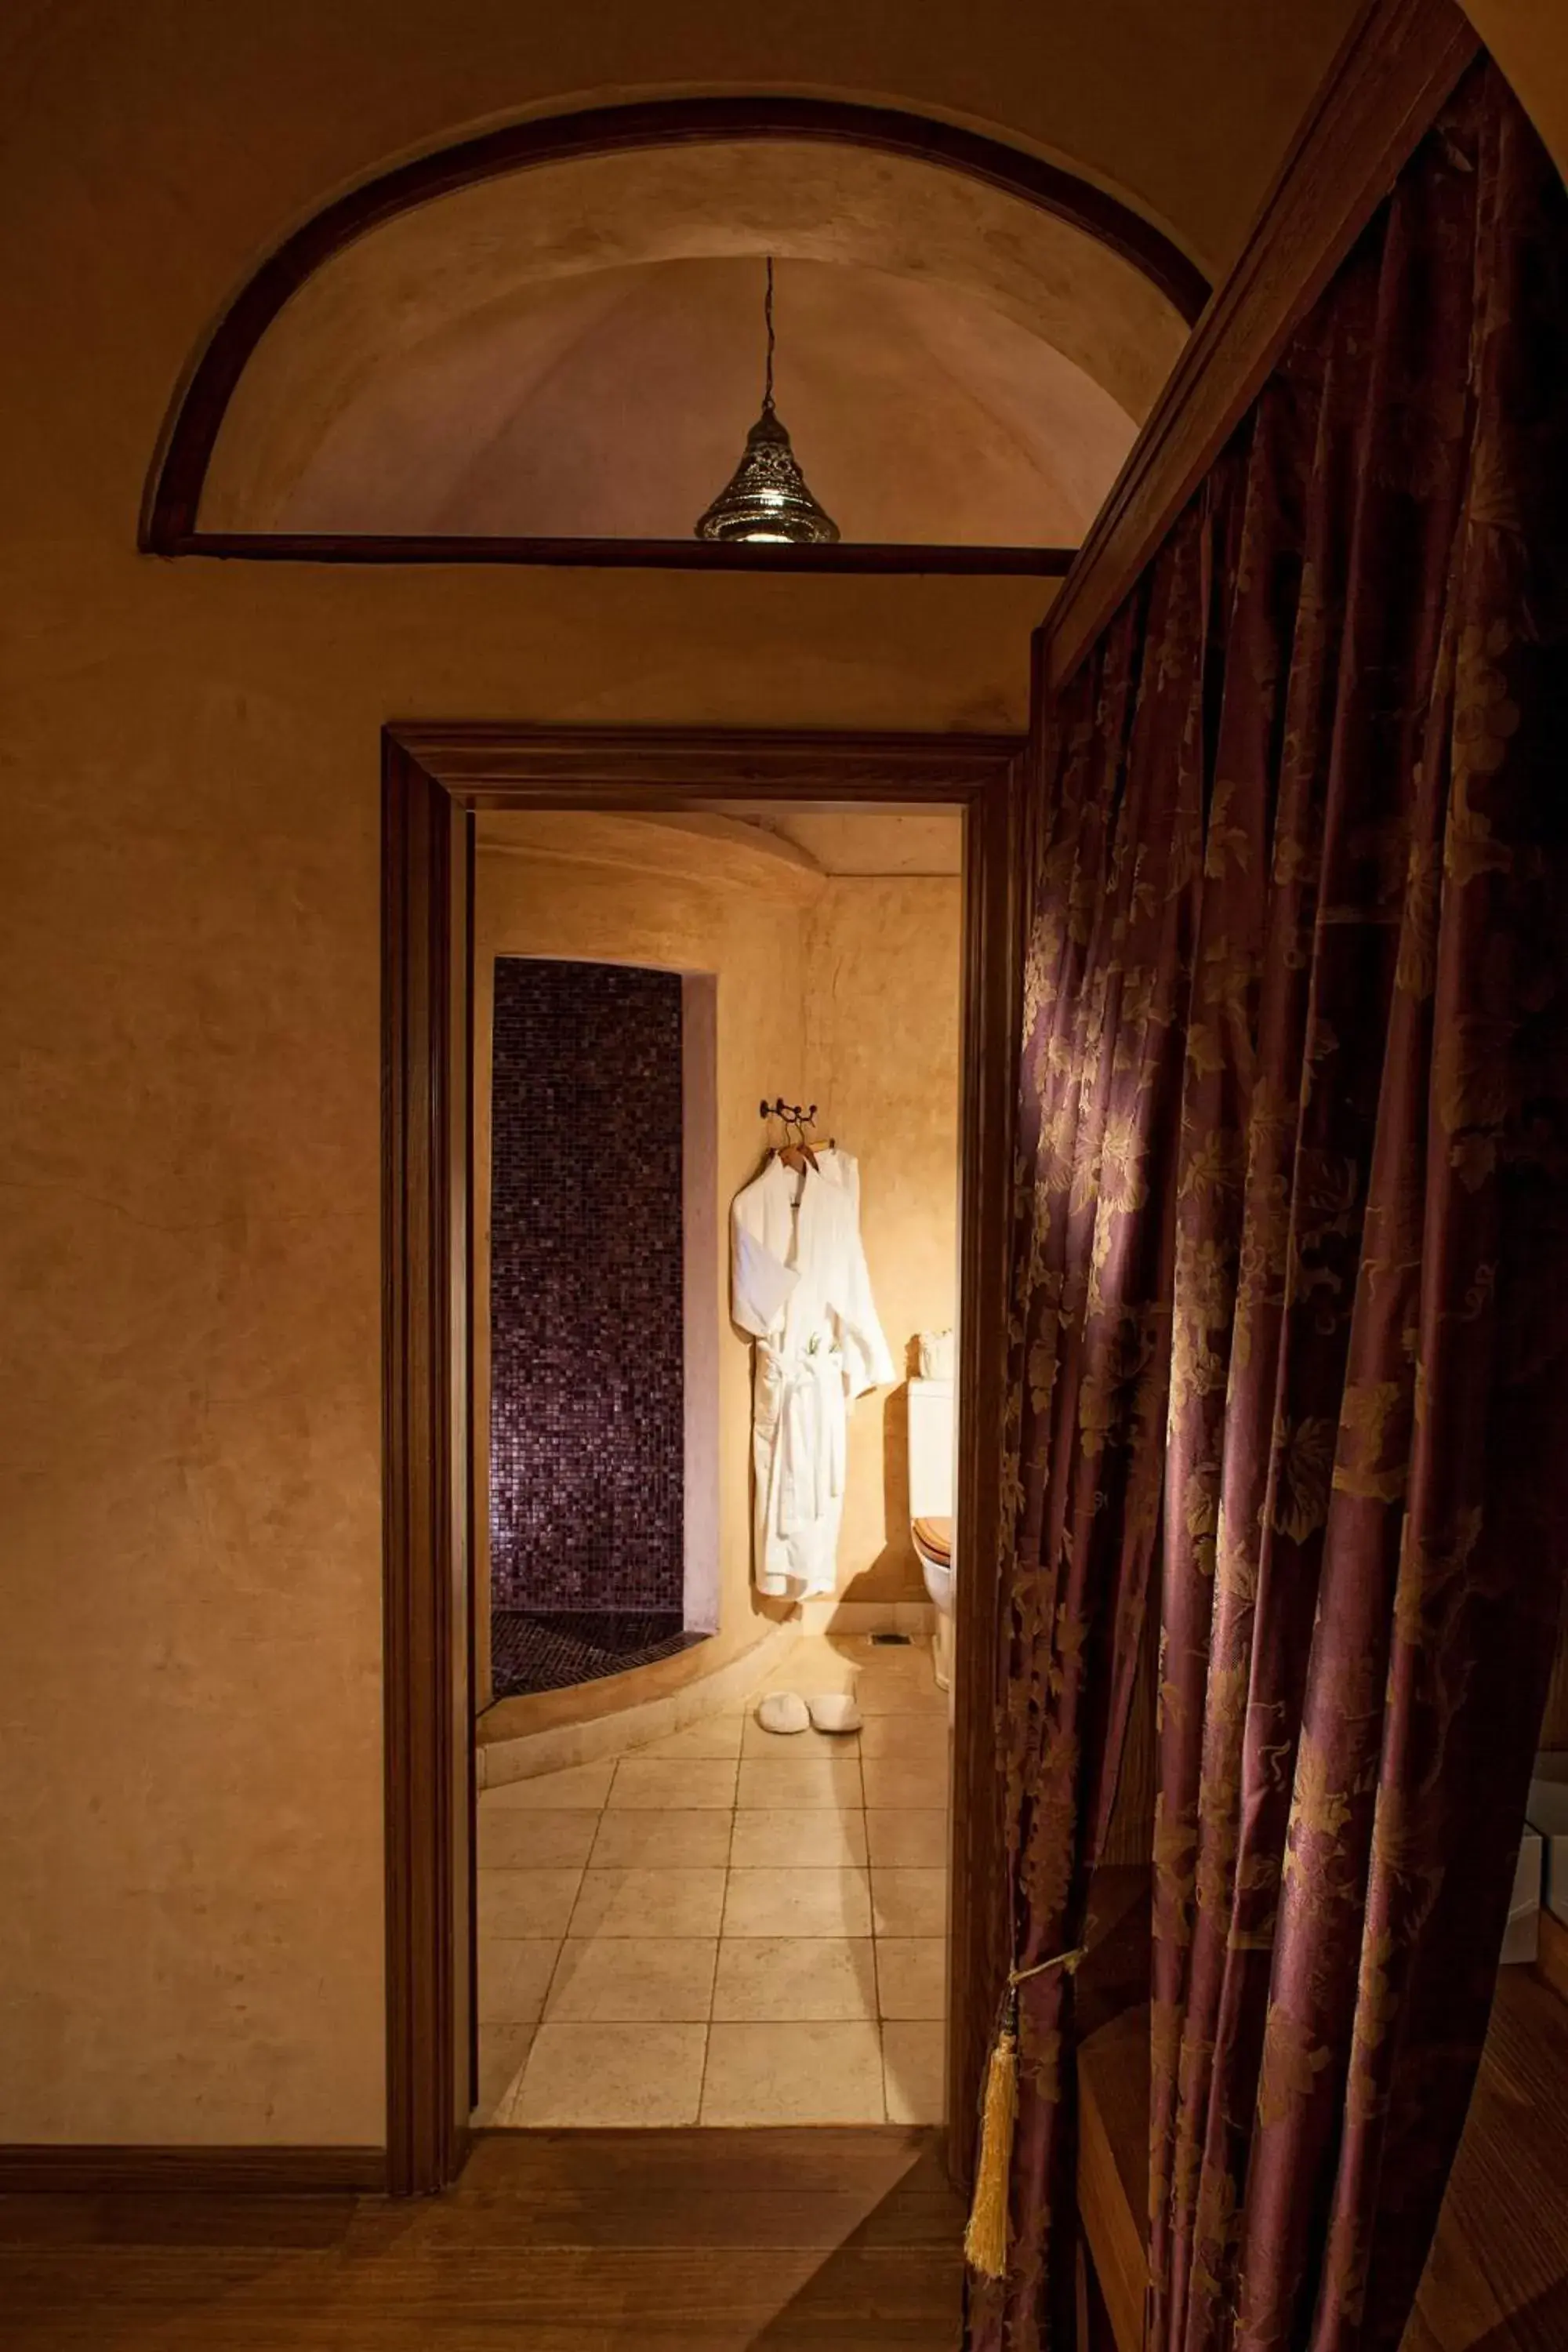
47	2170
1552	1954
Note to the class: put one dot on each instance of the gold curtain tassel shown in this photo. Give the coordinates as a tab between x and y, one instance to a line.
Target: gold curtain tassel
986	2238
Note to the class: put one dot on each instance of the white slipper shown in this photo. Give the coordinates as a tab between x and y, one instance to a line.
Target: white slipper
783	1711
833	1711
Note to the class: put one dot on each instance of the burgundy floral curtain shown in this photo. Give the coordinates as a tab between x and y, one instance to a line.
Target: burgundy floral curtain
1292	1322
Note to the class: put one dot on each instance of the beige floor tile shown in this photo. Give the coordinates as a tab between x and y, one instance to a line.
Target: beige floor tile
526	1902
668	1784
715	1737
633	1840
790	1747
900	1682
788	1784
917	1838
913	1739
783	1841
895	1784
604	2077
910	1902
580	1788
778	1977
515	1839
618	1979
814	1664
659	1902
792	2073
913	2058
799	1902
514	1976
502	2051
911	1976
896	1694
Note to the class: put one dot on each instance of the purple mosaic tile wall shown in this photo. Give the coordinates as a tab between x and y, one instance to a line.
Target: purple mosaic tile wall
586	1411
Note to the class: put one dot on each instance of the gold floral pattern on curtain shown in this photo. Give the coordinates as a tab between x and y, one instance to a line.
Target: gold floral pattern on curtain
1292	1272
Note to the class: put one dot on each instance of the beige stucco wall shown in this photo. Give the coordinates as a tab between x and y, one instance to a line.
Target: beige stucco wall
190	1834
882	1012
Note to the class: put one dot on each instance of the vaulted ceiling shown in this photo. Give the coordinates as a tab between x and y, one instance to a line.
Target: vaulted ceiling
577	349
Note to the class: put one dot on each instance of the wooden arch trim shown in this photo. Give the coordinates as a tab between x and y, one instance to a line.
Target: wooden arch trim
169	525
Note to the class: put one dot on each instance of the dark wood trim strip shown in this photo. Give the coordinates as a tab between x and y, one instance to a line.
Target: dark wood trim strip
993	965
1552	1953
180	471
434	777
425	1563
846	559
47	2170
1395	71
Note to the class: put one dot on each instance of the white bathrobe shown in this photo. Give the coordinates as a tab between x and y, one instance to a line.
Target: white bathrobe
800	1286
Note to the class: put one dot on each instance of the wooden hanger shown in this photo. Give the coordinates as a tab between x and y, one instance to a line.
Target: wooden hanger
794	1150
798	1155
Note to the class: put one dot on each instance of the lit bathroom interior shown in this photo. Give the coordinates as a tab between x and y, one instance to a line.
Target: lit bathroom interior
717	1083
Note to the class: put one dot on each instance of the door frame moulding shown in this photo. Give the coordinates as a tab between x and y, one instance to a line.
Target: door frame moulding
170	523
435	780
1394	73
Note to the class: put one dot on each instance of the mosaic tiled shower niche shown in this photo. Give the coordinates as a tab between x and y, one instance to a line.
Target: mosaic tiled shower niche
588	1432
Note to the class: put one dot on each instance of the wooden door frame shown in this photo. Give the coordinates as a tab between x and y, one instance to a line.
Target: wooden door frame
435	780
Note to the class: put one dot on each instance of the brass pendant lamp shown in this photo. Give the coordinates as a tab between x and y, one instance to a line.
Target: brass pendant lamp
766	497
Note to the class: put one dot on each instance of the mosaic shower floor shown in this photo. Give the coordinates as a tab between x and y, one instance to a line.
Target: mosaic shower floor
552	1649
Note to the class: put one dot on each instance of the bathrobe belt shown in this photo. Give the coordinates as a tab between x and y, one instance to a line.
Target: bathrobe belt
811	1437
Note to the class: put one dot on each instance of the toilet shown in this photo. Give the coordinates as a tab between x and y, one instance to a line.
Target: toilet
931	1505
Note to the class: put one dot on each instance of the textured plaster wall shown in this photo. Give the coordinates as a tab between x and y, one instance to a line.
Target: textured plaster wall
882	1012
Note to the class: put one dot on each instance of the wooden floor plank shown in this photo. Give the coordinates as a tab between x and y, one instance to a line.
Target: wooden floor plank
1497	2277
1497	2280
671	2241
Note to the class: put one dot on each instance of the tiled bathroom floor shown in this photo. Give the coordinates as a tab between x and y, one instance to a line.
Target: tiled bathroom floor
726	1926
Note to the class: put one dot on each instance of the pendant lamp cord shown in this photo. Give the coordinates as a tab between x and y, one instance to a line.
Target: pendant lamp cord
768	315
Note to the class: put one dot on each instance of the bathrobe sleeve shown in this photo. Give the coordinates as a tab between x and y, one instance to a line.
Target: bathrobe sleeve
868	1360
760	1282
